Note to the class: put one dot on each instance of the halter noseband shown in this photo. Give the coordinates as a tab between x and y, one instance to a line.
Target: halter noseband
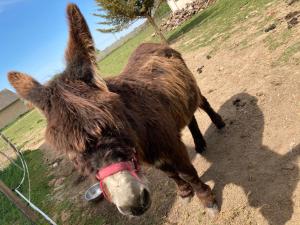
133	167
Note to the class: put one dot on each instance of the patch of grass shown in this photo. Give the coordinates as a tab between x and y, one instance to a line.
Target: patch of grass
116	60
26	130
287	56
216	22
162	11
275	40
272	43
40	191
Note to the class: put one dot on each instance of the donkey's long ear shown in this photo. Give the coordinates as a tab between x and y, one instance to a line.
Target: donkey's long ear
29	89
80	45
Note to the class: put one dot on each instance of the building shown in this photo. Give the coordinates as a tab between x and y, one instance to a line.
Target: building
11	107
178	4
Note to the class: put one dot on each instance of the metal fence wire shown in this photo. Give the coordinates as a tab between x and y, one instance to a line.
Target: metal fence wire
11	173
15	187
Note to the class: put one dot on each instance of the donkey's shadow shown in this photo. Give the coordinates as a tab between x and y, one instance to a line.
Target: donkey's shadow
237	156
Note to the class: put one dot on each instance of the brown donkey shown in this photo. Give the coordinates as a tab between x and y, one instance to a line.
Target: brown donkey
104	125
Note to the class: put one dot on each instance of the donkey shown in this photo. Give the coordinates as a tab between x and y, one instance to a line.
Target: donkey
107	127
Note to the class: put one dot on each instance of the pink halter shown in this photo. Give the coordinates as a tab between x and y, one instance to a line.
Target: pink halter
132	166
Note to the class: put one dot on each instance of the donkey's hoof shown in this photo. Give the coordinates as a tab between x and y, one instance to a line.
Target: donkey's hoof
220	123
213	211
186	200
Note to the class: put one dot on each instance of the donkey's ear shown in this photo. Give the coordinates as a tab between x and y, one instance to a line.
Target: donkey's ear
80	45
29	89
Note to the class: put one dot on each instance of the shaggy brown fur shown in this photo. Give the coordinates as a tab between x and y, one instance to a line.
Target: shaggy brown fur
98	122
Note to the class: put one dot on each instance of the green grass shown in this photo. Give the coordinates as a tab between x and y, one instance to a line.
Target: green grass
115	61
216	24
287	56
275	40
26	130
40	191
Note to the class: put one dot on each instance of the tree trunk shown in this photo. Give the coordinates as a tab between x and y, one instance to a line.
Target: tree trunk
157	30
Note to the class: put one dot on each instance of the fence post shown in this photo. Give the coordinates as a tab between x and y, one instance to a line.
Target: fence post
28	212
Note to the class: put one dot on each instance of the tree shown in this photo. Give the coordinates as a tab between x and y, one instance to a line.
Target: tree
119	14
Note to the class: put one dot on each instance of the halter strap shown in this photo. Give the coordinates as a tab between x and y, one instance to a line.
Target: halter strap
132	167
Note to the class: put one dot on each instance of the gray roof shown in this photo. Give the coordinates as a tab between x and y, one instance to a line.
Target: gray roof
7	97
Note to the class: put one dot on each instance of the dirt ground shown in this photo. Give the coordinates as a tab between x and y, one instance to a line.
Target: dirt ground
252	164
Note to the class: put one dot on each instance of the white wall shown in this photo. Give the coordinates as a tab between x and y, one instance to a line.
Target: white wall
178	4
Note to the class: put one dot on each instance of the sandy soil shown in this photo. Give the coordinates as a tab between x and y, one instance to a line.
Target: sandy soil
252	164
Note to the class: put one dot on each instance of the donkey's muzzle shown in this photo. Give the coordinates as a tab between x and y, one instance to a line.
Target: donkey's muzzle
142	205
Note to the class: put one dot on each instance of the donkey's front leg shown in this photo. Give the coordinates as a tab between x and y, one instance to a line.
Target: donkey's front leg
184	189
187	172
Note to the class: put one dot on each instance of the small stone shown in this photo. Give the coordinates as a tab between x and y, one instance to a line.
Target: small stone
55	189
292	22
289	166
290	2
54	165
65	216
276	83
51	182
250	178
243	136
200	69
59	181
239	103
259	94
291	15
210	91
271	27
292	146
253	13
236	101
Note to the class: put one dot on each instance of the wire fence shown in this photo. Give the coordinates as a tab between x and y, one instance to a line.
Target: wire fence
12	174
15	176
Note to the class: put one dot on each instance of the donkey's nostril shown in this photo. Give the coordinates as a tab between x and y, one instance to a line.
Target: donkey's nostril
145	198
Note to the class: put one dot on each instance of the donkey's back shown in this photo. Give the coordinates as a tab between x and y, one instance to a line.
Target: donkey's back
157	79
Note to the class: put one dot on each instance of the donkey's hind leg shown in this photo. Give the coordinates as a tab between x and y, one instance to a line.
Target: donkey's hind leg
200	144
185	190
215	117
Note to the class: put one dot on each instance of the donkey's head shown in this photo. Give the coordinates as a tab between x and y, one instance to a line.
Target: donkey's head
87	121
